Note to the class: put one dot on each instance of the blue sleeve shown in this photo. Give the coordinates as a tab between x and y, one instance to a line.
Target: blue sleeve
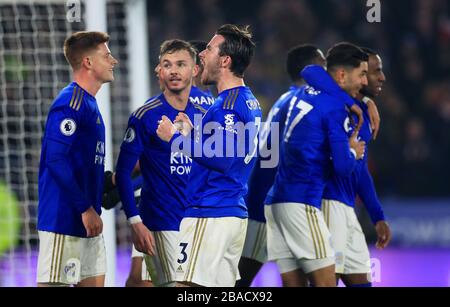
367	193
137	182
319	78
125	164
343	160
63	125
130	152
61	170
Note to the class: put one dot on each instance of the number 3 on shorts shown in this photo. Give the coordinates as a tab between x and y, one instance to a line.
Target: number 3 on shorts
183	253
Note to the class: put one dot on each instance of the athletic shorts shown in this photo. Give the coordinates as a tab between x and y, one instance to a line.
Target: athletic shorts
65	259
255	246
297	232
210	249
349	242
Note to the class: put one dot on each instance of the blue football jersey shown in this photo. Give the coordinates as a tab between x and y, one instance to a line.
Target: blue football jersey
314	132
217	185
72	162
261	178
360	182
345	188
201	98
165	172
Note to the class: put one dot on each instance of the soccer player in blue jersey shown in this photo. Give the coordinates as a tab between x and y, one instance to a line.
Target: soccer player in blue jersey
213	230
254	254
165	172
71	247
352	254
297	237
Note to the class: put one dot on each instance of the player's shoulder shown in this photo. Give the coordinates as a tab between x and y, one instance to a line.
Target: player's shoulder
229	97
240	100
200	100
148	108
286	97
71	97
320	99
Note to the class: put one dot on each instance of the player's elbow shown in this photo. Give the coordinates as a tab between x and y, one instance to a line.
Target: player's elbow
122	174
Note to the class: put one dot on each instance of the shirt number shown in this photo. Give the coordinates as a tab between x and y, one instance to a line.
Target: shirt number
249	156
304	108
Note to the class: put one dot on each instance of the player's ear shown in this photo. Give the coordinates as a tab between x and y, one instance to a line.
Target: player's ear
226	61
341	74
157	70
86	62
195	70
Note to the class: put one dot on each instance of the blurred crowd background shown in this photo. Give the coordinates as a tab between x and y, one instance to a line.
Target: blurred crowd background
411	156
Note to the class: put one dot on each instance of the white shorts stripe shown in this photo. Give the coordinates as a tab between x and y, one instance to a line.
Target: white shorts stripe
321	242
197	246
313	232
161	254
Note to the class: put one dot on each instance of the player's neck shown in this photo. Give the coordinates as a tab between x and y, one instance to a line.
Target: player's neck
229	81
87	83
199	85
178	101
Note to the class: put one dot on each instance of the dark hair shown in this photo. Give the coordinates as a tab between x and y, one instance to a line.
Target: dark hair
199	46
298	57
345	54
238	45
368	51
174	45
79	43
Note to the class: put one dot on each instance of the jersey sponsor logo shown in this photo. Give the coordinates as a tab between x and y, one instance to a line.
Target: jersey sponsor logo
68	127
129	135
202	100
229	123
229	119
253	104
100	153
180	164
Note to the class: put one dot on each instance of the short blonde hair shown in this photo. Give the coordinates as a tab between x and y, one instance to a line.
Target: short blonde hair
80	43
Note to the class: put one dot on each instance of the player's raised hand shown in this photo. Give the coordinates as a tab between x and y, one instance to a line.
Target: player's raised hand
92	222
384	234
357	110
143	239
183	123
374	117
358	146
166	129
